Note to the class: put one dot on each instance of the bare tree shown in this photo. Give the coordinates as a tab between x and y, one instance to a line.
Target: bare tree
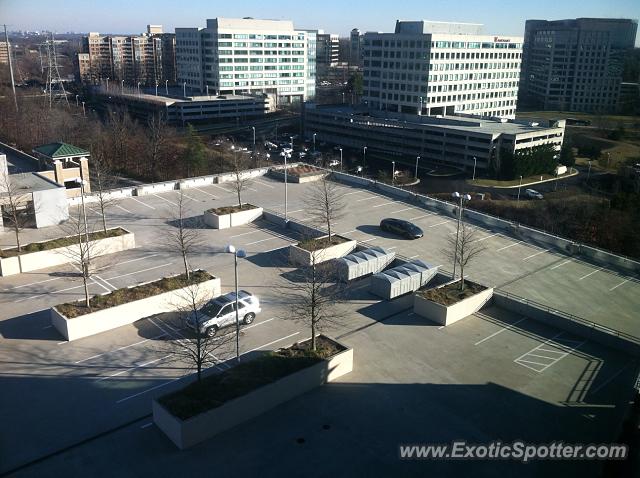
240	163
102	181
464	248
194	346
313	295
325	204
157	144
185	236
16	207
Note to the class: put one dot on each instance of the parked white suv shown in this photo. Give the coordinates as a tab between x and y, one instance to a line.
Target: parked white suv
533	194
221	312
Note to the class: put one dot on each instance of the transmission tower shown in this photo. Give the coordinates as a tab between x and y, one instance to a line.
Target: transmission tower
55	87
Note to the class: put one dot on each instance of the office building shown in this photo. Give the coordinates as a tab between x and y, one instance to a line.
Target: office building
355	47
148	58
327	50
240	56
4	53
438	68
459	141
575	65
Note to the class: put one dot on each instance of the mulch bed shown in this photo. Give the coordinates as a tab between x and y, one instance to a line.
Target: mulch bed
304	170
451	293
221	211
321	243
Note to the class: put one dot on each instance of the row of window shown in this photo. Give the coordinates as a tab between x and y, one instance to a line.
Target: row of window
257	68
257	52
227	76
440	44
259	44
252	36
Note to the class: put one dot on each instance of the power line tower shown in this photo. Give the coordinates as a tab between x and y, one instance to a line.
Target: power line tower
54	90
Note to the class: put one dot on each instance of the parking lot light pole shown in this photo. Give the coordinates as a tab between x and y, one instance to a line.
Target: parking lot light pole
340	159
241	254
77	101
417	159
519	186
461	197
107	84
364	158
285	188
122	87
254	138
138	88
393	172
314	142
474	169
291	138
166	87
589	172
83	110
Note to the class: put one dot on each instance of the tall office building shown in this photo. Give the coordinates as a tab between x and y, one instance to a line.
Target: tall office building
239	56
575	65
439	68
355	47
327	49
148	58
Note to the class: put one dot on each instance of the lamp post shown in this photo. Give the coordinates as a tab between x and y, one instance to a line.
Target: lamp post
393	172
156	88
122	87
291	138
420	111
285	187
314	142
462	197
364	157
207	86
184	89
83	111
138	88
417	159
519	186
589	172
359	169
77	101
241	254
107	84
254	138
340	159
166	87
474	168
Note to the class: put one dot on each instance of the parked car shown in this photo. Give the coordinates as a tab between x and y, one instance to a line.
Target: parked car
533	194
401	227
221	312
333	163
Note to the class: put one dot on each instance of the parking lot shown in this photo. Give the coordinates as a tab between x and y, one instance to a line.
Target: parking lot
70	391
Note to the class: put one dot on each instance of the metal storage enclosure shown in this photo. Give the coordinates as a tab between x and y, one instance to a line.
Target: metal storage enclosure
368	261
400	280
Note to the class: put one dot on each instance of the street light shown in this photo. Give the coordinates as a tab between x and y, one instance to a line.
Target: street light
207	86
184	89
107	84
393	172
420	112
77	101
519	186
462	197
254	137
83	111
241	254
122	87
291	138
138	88
156	88
285	186
166	87
417	159
364	157
359	169
340	159
314	142
474	168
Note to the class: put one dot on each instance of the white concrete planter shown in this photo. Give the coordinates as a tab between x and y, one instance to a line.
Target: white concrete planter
53	257
294	178
301	257
447	315
225	221
187	433
113	317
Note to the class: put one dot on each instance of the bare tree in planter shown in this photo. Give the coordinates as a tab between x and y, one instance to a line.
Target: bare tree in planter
16	209
239	164
464	248
193	345
102	181
185	235
325	204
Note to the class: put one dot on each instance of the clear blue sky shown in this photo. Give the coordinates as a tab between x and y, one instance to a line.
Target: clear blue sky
504	17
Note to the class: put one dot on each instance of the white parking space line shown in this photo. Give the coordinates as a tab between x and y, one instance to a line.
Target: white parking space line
259	323
276	248
352	192
117	374
621	283
533	360
189	197
293	212
147	390
245	233
48	293
271	343
33	283
510	245
138	272
536	254
121	348
401	210
413	257
348	232
561	264
590	273
499	331
220	187
420	217
369	198
141	202
205	192
391	248
146	425
93	279
438	224
165	199
124	209
485	237
368	240
139	259
261	240
102	280
384	204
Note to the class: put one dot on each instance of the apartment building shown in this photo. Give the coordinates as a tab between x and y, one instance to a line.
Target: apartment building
241	56
4	53
575	65
148	58
440	68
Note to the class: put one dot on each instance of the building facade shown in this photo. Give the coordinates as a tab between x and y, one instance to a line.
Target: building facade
461	142
355	47
327	50
438	68
148	58
575	65
239	56
4	53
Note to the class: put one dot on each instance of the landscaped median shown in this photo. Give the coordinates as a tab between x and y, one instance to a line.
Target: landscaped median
447	304
230	216
124	306
314	251
224	400
61	250
303	173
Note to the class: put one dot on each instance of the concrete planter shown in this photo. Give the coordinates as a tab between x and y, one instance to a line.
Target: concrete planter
113	317
299	178
301	257
225	221
187	433
447	315
53	257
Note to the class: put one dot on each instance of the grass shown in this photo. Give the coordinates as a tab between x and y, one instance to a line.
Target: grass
514	182
451	293
126	295
215	390
220	211
60	242
321	243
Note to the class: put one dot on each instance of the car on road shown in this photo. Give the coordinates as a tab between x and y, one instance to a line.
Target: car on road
401	227
533	194
221	312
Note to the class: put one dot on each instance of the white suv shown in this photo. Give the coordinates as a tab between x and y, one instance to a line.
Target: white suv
221	312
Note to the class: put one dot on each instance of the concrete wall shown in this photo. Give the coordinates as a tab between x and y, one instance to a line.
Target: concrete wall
63	255
155	188
447	315
226	221
50	207
107	319
248	174
302	257
187	433
574	325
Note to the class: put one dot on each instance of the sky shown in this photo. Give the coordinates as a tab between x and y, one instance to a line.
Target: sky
500	17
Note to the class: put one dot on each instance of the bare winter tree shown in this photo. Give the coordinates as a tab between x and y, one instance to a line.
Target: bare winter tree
16	208
184	236
325	204
158	136
195	346
239	164
102	181
464	248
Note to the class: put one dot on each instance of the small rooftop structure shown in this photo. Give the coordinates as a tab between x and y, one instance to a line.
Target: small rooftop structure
64	164
60	150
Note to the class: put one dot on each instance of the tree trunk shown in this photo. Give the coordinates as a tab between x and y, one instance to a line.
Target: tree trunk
461	278
86	291
186	266
104	217
17	231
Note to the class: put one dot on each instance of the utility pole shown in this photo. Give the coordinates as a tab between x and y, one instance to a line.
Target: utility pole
13	83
